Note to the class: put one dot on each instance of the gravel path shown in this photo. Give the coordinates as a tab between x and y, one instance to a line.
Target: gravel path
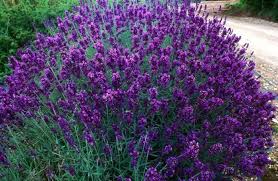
261	35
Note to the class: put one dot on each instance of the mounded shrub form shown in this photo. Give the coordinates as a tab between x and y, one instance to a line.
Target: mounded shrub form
164	81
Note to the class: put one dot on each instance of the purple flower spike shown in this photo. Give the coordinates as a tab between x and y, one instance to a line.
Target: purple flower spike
153	175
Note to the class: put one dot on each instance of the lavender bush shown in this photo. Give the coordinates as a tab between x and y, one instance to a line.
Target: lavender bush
136	91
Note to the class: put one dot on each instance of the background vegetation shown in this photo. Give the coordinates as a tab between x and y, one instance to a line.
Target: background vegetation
19	22
264	8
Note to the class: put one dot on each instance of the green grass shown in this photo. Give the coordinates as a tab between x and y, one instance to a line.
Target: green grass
19	22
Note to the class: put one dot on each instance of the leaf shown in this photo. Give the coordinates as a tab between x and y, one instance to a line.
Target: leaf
125	38
90	52
55	95
166	42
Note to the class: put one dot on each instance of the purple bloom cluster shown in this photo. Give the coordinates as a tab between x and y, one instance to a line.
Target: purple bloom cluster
163	75
153	175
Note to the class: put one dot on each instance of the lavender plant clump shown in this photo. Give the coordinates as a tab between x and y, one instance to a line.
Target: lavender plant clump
163	78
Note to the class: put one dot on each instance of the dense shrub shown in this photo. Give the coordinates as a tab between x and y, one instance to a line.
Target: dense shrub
263	8
135	91
19	20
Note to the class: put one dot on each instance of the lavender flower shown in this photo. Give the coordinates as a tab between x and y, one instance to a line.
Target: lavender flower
164	80
160	75
133	153
152	175
3	159
65	127
89	138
